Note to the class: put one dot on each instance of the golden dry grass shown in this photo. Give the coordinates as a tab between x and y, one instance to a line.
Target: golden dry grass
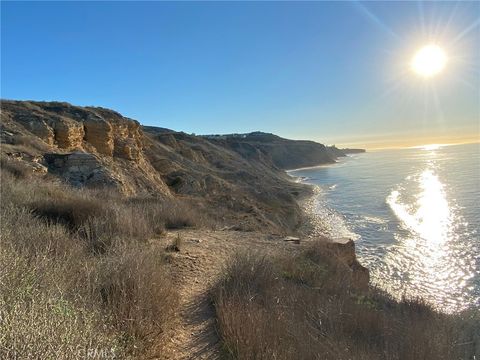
307	307
78	274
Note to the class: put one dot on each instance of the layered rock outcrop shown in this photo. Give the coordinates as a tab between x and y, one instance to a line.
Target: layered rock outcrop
81	169
86	146
72	128
99	134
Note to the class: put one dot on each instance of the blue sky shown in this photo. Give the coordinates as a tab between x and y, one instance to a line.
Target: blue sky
335	72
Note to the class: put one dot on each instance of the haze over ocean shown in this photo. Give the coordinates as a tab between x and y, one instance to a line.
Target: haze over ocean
415	215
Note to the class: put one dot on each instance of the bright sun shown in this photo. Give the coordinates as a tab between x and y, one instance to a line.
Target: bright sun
429	60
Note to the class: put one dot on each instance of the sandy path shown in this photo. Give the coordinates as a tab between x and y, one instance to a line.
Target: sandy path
195	268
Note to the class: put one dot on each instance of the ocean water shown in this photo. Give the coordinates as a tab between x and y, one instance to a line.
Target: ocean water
414	215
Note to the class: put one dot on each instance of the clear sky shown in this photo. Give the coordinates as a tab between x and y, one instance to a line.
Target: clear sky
334	72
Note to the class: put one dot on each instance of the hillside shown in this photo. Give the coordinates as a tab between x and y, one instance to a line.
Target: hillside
283	153
239	179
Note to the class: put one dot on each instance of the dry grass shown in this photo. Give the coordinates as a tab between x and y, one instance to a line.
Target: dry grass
176	244
77	273
43	315
136	291
99	217
14	168
308	307
26	144
170	213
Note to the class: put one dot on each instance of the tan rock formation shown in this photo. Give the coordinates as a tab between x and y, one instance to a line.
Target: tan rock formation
68	134
108	148
98	132
69	127
344	249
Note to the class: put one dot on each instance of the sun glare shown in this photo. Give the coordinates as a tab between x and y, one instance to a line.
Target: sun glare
431	147
429	60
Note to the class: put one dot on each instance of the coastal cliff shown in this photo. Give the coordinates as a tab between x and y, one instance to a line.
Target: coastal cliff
283	153
237	179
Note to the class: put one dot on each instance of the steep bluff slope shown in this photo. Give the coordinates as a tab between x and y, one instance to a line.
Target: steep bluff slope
228	184
283	153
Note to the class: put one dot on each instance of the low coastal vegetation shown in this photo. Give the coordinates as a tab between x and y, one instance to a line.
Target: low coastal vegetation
78	273
311	306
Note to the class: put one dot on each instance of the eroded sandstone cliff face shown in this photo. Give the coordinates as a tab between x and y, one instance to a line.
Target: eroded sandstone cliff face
84	146
75	128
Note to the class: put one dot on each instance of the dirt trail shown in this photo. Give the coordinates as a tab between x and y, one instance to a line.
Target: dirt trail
196	267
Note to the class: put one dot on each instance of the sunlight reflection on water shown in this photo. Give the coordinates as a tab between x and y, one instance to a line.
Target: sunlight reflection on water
427	254
432	218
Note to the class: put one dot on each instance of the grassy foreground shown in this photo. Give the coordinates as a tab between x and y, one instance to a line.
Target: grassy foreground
310	307
79	278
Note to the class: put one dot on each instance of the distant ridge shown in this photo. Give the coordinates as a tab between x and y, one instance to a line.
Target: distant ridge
284	153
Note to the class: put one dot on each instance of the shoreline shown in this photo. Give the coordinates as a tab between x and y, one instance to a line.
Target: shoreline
288	171
392	263
339	160
314	223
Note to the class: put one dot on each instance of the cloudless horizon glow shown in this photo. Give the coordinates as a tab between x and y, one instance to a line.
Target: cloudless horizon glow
334	72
